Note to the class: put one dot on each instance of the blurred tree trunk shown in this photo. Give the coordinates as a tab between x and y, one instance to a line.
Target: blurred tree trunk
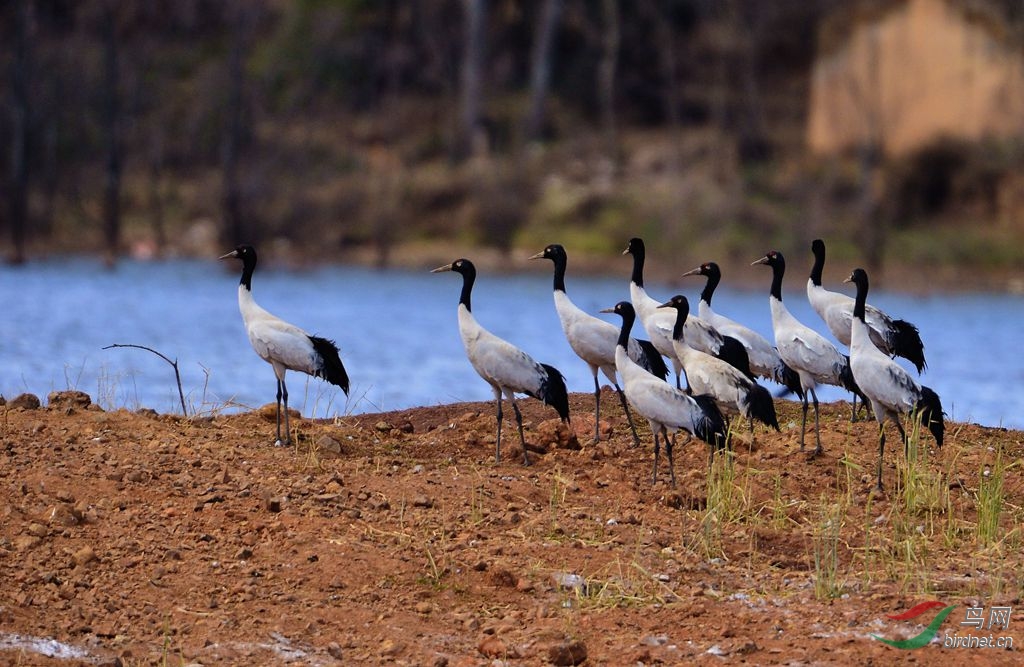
20	129
51	172
611	37
540	67
872	216
665	39
471	77
872	153
747	23
156	200
112	131
233	230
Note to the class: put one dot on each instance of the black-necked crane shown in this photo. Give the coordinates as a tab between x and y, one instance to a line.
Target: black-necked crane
593	340
282	345
764	359
889	387
895	337
502	365
733	391
666	408
807	352
659	323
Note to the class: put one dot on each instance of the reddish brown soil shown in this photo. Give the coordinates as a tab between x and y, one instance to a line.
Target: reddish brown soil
137	538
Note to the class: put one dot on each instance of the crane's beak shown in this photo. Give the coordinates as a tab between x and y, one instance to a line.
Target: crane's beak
667	304
763	260
849	279
692	272
626	251
446	267
607	310
233	253
539	255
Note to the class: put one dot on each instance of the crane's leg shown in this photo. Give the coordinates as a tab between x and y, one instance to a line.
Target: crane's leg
497	439
903	434
817	427
671	464
597	408
287	424
277	443
803	422
629	416
519	423
881	451
657	451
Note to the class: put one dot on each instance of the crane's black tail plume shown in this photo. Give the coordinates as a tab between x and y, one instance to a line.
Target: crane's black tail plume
761	406
905	341
929	410
850	384
553	391
652	361
331	368
711	426
734	353
790	379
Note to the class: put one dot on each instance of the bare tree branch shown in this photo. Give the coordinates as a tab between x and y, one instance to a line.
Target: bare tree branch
174	365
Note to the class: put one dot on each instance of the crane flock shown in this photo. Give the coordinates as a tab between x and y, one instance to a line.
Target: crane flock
720	357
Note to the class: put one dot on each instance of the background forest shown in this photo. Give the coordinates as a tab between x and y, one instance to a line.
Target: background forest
387	131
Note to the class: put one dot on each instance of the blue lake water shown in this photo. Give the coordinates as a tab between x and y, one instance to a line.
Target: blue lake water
398	335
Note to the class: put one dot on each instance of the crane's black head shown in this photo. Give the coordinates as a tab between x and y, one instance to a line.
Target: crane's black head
556	254
859	277
247	254
244	252
623	308
553	252
463	266
679	302
635	247
709	269
818	247
468	271
682	306
772	258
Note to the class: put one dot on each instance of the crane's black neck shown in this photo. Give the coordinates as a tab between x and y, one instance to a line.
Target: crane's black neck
248	266
560	261
468	272
682	312
714	275
638	251
778	271
818	248
860	301
628	317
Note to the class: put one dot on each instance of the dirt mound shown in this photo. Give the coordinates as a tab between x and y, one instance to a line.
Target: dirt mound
139	538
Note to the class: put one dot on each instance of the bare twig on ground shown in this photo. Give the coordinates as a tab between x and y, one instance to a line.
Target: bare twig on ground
174	365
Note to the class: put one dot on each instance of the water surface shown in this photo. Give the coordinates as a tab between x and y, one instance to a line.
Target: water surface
398	335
